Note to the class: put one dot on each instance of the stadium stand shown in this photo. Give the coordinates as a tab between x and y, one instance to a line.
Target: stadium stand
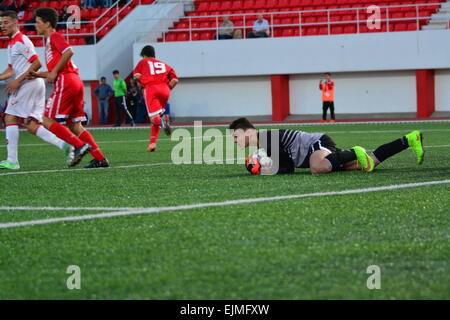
302	17
97	21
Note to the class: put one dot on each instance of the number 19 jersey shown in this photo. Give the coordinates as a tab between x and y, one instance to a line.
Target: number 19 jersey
154	72
155	77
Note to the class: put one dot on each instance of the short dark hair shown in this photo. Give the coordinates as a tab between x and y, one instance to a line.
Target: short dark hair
9	13
116	72
148	51
241	123
48	15
327	74
102	78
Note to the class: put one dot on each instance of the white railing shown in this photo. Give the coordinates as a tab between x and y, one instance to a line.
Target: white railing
301	16
99	27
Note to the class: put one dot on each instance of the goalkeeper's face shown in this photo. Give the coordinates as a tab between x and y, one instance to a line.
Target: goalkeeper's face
245	138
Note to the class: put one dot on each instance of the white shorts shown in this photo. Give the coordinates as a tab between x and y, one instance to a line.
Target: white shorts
28	101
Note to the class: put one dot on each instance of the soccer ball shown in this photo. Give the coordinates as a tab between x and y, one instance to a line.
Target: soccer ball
257	161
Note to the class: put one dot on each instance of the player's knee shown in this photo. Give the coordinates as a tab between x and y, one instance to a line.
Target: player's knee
156	120
322	167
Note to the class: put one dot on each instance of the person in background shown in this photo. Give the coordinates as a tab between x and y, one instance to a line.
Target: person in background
63	17
141	109
132	97
89	4
327	88
226	29
261	28
107	3
120	101
103	93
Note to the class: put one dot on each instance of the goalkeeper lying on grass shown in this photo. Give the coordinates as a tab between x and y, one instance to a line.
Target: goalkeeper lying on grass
281	151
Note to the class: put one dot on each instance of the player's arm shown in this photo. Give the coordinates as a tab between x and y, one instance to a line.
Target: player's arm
8	73
173	83
65	58
12	86
173	79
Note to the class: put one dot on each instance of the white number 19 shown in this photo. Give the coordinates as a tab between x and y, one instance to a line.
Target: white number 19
157	68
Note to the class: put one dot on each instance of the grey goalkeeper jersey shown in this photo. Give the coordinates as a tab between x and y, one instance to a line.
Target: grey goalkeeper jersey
293	146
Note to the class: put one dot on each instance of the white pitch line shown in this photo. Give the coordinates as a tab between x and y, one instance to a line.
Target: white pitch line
216	204
202	137
9	208
114	167
138	165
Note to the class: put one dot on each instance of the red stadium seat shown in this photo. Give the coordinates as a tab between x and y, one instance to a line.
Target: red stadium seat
288	32
249	4
182	36
203	6
350	29
226	5
400	27
171	37
236	5
54	4
206	36
337	29
260	4
412	26
214	6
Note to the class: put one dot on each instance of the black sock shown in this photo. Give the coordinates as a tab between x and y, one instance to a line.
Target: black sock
339	158
392	148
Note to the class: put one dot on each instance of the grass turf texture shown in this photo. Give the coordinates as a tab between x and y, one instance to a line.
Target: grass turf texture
291	249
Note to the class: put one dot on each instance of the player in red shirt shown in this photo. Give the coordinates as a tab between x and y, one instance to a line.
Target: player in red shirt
158	79
67	99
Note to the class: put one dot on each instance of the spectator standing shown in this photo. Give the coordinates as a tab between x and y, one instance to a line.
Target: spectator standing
120	101
133	97
327	88
226	29
103	93
261	28
141	109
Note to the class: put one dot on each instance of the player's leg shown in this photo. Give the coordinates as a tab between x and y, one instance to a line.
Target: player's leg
332	111
76	116
154	109
12	141
37	129
35	98
154	132
58	108
413	140
325	157
324	111
99	160
127	111
164	98
118	108
165	118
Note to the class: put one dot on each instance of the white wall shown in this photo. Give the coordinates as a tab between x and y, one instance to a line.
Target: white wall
222	97
359	92
442	90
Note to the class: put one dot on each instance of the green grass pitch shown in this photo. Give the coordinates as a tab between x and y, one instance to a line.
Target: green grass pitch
306	248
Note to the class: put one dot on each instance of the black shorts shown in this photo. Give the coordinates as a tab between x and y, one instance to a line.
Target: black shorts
324	143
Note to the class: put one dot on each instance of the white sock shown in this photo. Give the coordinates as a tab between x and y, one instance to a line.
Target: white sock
49	137
12	139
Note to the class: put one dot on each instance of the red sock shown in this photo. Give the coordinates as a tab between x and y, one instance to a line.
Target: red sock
65	134
95	150
154	133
